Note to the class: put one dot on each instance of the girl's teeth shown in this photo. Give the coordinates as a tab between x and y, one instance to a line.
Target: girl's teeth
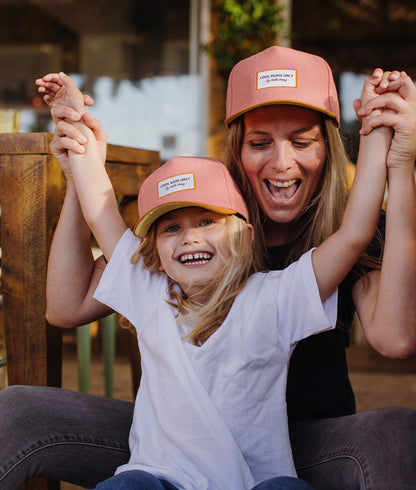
196	258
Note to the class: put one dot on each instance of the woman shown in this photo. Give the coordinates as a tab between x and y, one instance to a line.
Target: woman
333	447
297	198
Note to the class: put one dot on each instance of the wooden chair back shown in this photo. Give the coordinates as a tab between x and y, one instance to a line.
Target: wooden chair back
31	194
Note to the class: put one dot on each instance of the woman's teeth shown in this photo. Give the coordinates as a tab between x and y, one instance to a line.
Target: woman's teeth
288	183
199	258
283	190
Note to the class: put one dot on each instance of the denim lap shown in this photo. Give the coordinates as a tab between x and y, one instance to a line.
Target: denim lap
135	479
85	444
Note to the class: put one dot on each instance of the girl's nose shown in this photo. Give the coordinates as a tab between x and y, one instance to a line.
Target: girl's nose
190	235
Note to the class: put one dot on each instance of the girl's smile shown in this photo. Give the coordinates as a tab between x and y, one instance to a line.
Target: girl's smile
192	244
199	258
283	155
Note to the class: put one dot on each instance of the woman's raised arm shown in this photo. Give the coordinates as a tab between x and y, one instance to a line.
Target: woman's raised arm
386	299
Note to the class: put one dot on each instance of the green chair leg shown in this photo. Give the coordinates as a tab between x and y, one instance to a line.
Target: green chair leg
84	357
109	325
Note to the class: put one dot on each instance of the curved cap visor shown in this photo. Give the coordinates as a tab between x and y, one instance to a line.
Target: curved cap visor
280	75
184	182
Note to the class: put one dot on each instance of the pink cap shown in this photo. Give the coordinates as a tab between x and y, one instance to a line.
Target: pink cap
281	75
184	182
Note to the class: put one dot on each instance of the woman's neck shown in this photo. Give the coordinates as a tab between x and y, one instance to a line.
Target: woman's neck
276	233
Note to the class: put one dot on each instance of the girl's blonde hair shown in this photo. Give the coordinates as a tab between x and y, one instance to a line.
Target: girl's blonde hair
323	215
221	290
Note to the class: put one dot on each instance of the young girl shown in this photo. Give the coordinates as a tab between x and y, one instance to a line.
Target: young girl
215	339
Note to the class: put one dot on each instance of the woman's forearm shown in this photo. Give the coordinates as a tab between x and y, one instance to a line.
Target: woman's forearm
72	272
392	327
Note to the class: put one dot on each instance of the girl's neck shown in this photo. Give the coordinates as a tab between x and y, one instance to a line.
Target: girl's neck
198	295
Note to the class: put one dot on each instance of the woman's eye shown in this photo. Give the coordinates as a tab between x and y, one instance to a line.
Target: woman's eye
257	145
206	222
301	143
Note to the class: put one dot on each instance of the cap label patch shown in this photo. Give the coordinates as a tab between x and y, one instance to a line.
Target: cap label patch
175	184
276	78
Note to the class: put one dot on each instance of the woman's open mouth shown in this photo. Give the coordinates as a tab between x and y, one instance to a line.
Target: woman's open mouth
199	258
282	190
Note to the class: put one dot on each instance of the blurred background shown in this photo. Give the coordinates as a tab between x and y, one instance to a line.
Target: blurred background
157	69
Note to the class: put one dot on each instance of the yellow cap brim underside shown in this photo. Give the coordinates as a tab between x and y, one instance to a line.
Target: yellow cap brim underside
230	119
142	227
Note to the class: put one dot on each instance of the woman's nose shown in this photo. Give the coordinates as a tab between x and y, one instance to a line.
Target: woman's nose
281	158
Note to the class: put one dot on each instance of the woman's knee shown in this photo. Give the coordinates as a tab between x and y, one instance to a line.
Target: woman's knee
17	405
392	427
375	449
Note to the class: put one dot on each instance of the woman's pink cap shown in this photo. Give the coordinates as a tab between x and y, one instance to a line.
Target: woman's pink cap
280	75
184	182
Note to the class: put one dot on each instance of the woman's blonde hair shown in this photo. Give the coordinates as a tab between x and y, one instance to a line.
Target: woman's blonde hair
221	290
323	215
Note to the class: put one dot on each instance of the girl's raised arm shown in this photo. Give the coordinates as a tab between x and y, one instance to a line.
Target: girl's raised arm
96	194
335	257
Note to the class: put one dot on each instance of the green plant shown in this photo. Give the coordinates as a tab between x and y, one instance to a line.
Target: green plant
243	28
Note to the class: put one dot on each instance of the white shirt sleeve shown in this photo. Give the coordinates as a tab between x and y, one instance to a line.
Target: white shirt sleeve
128	288
300	303
287	304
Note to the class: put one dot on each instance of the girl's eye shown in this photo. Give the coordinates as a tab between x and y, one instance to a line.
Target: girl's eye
172	228
206	222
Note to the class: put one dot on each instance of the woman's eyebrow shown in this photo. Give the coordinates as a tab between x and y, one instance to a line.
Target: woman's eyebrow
304	129
256	131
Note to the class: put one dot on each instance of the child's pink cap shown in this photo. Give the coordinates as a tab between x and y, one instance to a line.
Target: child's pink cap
281	75
184	182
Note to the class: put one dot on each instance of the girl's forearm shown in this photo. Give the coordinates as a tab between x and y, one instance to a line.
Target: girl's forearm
96	195
362	211
335	257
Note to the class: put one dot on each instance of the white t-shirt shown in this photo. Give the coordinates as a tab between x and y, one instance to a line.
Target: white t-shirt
214	417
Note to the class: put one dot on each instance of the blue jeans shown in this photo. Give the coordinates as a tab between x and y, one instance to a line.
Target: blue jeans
82	439
134	480
129	480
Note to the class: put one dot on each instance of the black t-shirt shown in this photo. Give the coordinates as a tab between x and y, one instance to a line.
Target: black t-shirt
318	385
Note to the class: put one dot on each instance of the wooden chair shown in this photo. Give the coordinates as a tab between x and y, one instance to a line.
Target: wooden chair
31	195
